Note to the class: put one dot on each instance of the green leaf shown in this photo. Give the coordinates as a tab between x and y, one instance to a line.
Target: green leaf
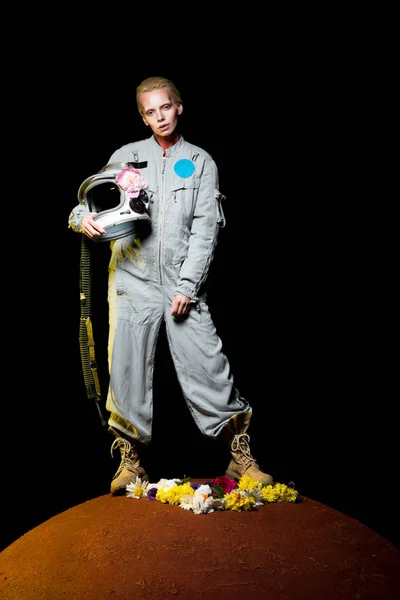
218	491
185	479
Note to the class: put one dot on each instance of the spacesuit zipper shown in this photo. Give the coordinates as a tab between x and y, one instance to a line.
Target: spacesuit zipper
161	219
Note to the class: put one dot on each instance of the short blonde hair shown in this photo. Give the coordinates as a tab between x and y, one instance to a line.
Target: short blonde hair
156	83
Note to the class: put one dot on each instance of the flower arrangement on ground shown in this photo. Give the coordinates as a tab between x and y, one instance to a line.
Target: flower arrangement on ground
221	493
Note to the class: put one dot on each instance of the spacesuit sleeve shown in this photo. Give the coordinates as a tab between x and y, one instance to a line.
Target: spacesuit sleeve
76	216
203	235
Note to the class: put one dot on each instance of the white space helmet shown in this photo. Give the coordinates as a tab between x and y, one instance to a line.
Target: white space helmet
117	195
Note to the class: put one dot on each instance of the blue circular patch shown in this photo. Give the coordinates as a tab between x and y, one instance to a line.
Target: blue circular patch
184	168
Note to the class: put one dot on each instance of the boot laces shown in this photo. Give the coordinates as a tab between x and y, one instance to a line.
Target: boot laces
129	458
240	443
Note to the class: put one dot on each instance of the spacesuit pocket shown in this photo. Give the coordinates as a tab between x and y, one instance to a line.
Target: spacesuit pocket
184	193
133	299
200	315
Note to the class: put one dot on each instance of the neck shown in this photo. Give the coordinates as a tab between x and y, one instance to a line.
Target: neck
168	141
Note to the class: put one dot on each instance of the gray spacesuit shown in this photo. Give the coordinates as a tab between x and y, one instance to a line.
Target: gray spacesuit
169	254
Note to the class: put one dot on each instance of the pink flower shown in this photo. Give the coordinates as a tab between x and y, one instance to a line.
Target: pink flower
131	181
225	483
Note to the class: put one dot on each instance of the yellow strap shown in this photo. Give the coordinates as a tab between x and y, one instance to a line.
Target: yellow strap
93	364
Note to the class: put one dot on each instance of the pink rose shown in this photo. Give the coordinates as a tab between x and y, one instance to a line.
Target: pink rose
131	181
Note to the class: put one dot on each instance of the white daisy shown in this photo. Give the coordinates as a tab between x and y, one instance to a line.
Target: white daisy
137	488
257	493
219	503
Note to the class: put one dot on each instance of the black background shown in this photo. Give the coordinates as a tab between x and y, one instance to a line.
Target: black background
294	290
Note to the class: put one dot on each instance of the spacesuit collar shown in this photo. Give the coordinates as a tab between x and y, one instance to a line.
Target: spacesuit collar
169	151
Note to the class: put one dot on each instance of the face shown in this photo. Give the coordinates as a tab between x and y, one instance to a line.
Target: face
159	112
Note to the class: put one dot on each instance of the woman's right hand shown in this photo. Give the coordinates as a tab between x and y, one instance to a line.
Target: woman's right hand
90	228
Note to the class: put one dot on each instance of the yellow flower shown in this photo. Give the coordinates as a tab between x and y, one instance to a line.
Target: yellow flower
174	494
239	501
247	483
279	492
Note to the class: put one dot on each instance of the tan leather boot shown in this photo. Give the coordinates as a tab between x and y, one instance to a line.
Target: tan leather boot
129	468
242	462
